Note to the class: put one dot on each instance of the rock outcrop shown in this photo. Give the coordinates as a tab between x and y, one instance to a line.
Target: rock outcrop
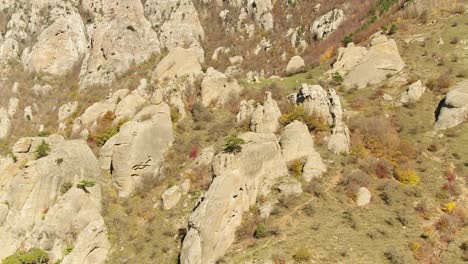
325	104
453	109
246	109
327	23
5	124
59	47
178	24
297	143
136	152
121	36
362	68
240	179
295	65
45	208
363	196
216	88
265	117
261	11
413	93
178	63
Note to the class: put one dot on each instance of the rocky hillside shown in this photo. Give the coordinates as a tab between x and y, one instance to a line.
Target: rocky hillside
246	131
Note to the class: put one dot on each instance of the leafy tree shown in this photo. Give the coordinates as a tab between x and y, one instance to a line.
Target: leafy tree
42	150
233	144
32	256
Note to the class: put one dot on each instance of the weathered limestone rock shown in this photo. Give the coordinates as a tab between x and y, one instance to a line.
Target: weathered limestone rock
316	101
290	187
348	58
121	36
5	124
178	63
246	110
381	60
217	88
205	157
130	104
178	22
41	89
171	197
60	46
265	117
66	110
41	214
28	116
136	152
261	11
239	180
327	23
295	65
297	143
453	109
363	196
88	120
13	105
413	93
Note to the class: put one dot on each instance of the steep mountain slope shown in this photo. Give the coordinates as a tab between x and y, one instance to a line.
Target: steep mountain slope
248	131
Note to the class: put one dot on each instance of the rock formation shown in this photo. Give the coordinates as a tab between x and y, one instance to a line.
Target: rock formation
239	180
453	109
217	88
362	68
413	93
327	23
136	152
297	143
44	207
295	65
265	117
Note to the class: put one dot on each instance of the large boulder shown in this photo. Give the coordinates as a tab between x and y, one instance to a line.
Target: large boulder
265	117
380	61
295	65
66	110
178	63
246	109
135	154
297	143
240	179
315	101
217	88
121	36
413	93
453	109
59	47
42	212
339	142
327	23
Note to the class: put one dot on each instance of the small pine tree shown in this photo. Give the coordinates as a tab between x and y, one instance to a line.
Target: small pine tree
233	145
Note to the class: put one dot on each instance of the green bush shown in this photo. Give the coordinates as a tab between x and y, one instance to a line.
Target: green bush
233	145
260	231
348	39
32	256
393	29
42	150
337	77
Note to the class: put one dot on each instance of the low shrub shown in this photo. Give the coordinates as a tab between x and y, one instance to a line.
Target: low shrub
42	150
313	122
406	176
449	207
84	184
295	167
32	256
260	231
65	187
302	255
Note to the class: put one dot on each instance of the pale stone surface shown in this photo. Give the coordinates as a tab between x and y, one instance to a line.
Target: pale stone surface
290	187
216	88
295	65
171	197
66	110
39	215
413	93
178	63
5	124
453	110
265	117
239	180
137	151
327	23
363	196
246	108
